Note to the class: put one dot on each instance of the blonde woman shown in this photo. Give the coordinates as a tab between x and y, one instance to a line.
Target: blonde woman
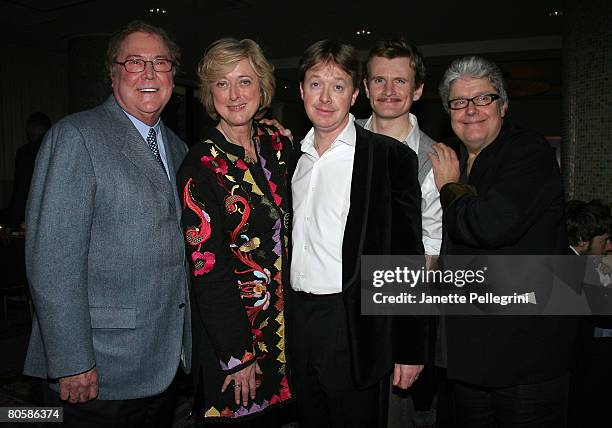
235	221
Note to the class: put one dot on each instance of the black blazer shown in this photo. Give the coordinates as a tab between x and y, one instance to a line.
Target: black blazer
513	204
384	218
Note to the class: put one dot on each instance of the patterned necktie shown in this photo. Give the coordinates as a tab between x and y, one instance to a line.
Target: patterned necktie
152	142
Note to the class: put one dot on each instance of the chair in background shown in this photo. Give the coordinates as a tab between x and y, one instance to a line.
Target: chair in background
13	292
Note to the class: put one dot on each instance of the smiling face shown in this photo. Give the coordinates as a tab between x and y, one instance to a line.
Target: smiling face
236	95
145	94
328	94
476	127
391	86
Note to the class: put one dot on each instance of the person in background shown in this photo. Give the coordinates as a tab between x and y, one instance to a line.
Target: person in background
394	80
104	249
236	225
12	226
354	193
37	125
589	225
503	196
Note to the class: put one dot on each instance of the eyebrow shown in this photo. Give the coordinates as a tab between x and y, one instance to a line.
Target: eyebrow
242	76
379	76
143	57
337	79
492	91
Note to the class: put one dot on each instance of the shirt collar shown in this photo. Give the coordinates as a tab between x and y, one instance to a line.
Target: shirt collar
413	137
348	136
143	128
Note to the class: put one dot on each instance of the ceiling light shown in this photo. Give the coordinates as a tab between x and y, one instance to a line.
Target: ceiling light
555	13
363	32
157	10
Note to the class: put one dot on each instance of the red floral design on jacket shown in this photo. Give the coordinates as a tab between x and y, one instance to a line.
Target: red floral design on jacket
196	236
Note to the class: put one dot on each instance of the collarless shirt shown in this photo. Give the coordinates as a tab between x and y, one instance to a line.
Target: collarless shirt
431	210
321	189
143	130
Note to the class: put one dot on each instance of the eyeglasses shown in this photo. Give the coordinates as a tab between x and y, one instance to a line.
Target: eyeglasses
137	65
479	100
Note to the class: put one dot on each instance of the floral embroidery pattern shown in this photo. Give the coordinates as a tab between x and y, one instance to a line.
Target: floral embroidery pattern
250	219
218	166
196	236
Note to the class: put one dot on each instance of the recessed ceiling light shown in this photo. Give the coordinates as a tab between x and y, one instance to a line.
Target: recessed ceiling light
363	32
554	13
157	10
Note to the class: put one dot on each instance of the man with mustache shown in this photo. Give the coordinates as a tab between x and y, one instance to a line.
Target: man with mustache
394	80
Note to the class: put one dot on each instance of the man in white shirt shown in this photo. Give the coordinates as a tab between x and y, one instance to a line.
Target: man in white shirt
354	193
394	79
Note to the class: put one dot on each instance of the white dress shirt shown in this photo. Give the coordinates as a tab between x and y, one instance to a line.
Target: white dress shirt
431	210
321	189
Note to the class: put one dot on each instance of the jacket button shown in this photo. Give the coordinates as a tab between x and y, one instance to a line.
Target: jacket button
181	306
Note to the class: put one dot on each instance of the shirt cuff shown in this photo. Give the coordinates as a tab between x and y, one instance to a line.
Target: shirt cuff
450	192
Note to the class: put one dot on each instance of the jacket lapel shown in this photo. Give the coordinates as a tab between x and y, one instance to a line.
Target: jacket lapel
175	155
355	230
137	151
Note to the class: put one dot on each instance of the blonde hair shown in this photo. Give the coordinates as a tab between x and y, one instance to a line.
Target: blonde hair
221	57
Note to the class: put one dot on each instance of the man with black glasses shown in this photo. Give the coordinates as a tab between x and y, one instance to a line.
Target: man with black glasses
104	248
503	197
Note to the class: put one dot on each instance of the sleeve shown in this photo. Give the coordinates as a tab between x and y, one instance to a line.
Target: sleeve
59	216
431	216
214	289
409	333
500	214
405	202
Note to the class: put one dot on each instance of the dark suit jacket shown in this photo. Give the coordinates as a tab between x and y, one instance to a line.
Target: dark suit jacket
384	218
513	204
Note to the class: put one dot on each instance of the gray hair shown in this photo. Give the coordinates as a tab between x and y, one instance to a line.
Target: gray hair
475	67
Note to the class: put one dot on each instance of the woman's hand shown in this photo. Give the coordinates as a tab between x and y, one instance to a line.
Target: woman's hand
244	383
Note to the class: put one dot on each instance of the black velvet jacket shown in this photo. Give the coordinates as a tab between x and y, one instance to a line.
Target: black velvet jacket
511	203
384	218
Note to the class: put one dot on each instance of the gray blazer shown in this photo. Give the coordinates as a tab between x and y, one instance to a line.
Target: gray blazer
105	257
425	146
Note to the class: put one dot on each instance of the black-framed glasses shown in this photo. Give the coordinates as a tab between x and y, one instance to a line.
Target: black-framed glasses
137	65
478	100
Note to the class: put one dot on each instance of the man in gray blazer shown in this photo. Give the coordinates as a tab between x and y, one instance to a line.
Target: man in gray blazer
104	248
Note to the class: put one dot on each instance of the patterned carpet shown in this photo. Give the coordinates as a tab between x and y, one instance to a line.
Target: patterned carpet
17	390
